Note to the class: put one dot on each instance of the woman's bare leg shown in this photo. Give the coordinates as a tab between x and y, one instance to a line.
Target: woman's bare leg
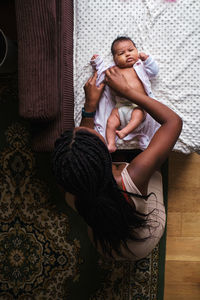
112	124
137	116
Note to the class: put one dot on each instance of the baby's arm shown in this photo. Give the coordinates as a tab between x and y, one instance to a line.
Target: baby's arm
150	64
97	64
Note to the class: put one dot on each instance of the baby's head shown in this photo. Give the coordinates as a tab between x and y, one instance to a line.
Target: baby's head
124	52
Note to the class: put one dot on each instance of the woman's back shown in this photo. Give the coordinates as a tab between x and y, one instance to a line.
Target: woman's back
83	166
148	237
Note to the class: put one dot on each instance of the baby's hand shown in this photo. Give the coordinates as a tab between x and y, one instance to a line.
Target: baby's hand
94	56
143	56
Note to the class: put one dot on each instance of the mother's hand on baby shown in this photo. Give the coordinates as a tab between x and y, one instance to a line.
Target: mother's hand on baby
92	93
116	80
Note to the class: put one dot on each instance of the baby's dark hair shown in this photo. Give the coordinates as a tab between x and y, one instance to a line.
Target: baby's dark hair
120	39
82	165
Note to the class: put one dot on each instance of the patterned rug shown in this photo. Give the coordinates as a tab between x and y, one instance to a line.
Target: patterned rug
45	252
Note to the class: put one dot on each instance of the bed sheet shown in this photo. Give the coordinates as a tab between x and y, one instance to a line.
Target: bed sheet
168	30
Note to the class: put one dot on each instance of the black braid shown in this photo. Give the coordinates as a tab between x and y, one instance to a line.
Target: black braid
83	166
78	160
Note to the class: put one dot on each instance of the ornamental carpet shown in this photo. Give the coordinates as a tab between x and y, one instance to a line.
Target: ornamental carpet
45	252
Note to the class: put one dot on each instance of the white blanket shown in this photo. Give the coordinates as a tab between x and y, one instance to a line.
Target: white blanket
168	30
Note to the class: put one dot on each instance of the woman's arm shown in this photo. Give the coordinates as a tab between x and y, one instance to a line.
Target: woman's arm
145	164
92	97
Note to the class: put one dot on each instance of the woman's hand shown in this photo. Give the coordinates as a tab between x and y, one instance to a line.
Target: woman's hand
92	93
116	80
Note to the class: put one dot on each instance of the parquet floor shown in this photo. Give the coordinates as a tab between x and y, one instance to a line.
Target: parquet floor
182	269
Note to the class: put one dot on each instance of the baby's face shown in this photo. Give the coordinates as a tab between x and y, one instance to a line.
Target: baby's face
125	54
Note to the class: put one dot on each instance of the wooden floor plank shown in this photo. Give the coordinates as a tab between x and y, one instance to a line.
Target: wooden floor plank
186	272
182	269
184	175
184	199
183	248
190	224
174	224
182	292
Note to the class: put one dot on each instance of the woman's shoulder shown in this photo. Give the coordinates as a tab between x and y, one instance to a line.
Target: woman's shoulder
117	168
155	188
154	183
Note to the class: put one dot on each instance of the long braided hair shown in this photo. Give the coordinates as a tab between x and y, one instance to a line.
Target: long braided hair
82	165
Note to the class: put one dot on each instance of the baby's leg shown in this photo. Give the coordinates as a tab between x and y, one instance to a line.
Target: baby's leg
112	124
137	116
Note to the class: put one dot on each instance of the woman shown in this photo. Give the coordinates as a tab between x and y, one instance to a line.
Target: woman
121	203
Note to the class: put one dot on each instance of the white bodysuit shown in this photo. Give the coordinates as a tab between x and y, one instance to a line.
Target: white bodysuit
145	70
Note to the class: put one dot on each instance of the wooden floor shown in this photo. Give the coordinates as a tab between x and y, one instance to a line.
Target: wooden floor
182	270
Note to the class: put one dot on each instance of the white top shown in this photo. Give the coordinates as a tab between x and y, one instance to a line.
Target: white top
145	70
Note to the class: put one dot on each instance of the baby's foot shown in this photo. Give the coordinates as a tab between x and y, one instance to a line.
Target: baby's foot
121	134
94	56
112	148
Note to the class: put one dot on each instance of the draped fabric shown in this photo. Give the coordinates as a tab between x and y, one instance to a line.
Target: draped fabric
45	68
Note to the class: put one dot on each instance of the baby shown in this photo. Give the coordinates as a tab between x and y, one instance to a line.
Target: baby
137	68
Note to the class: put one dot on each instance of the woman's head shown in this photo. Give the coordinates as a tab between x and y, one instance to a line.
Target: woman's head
82	165
81	161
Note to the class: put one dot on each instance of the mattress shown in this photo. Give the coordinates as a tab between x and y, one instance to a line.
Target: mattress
168	30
